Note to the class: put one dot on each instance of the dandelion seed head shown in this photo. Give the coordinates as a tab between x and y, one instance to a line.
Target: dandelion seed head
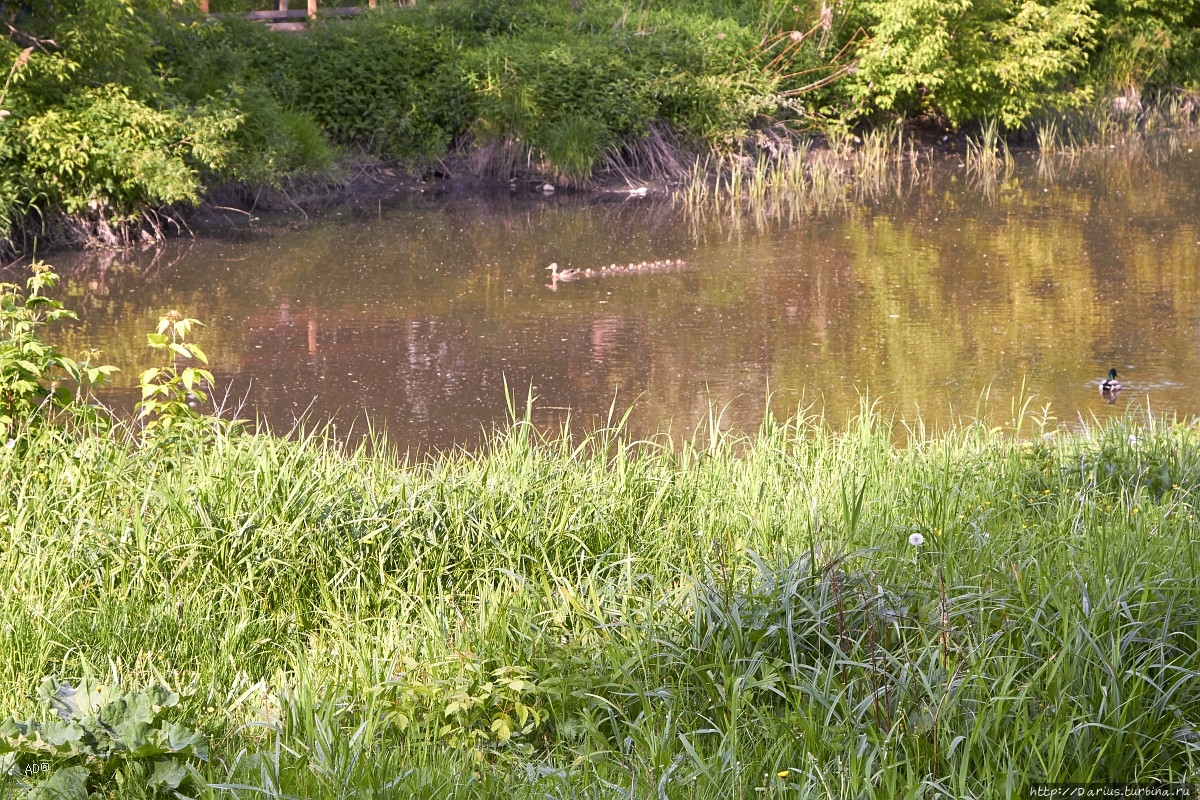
916	540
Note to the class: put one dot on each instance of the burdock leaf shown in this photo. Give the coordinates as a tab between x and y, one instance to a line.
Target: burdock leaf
167	772
67	783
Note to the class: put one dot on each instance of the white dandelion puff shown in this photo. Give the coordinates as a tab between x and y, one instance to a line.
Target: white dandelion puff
916	540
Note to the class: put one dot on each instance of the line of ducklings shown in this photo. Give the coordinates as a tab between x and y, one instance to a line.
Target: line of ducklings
632	268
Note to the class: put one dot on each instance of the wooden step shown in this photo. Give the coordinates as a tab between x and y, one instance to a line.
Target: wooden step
291	13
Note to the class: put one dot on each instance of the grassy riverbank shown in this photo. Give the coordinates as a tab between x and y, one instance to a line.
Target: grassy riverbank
120	113
719	618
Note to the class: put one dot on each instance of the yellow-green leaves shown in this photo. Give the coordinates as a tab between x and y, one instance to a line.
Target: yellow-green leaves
970	60
170	393
33	373
467	709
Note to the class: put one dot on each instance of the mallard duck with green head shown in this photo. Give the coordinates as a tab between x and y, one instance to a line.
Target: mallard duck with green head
1110	385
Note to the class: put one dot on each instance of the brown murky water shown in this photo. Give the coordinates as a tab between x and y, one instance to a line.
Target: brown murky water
417	316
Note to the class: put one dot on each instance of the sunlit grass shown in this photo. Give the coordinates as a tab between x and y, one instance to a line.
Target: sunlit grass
599	617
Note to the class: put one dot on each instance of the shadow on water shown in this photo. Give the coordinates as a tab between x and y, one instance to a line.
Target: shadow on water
416	316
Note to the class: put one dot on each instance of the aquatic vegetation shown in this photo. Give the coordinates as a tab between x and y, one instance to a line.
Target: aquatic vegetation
793	176
988	156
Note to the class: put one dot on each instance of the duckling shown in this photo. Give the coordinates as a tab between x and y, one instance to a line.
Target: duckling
562	275
1110	385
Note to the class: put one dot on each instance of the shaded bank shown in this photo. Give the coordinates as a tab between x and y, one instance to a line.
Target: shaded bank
121	113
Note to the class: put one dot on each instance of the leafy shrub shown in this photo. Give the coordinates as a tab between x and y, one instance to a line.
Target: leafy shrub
274	143
171	393
235	63
489	17
377	83
968	61
99	736
88	43
106	154
473	709
1147	43
572	97
31	371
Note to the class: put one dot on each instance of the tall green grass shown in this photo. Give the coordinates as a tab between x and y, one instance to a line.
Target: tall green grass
728	616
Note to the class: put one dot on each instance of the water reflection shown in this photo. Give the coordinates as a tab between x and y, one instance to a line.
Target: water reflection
420	316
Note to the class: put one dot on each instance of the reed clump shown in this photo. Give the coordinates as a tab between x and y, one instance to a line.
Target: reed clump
789	176
1120	120
802	611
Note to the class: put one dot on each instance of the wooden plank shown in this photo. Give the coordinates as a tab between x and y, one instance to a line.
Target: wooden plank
203	6
276	15
288	27
281	15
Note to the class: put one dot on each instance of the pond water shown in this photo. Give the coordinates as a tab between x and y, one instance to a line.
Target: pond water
417	316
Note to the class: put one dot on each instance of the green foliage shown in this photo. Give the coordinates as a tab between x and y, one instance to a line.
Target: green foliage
572	96
103	153
470	710
170	393
969	60
117	109
240	65
570	99
91	133
376	83
32	372
88	43
1148	43
99	736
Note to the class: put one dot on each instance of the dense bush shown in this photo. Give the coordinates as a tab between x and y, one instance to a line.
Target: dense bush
1147	42
973	60
108	122
380	84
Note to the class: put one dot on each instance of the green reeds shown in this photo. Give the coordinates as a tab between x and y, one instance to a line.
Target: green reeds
801	612
988	159
1125	119
793	177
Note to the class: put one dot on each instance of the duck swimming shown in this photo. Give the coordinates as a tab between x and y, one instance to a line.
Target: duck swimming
632	268
1110	385
563	275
